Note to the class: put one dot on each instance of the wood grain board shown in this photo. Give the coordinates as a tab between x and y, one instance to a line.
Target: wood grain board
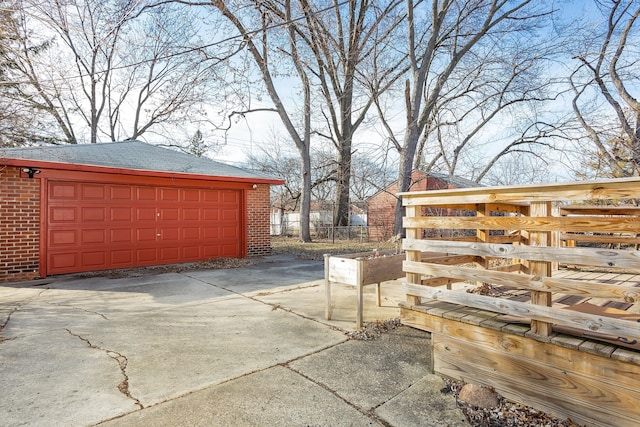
575	381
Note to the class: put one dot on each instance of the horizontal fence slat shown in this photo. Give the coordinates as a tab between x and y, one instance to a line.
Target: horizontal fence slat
571	224
600	239
574	319
624	188
526	281
599	210
469	273
589	256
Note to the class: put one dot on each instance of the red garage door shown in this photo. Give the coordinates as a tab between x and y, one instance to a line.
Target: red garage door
95	226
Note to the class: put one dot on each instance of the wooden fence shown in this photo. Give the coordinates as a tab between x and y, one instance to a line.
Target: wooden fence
525	239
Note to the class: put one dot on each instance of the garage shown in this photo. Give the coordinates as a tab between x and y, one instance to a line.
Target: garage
102	207
93	226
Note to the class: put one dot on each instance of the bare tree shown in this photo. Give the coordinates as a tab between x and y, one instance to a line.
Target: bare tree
273	159
329	44
171	78
24	49
440	51
369	175
603	84
116	69
265	47
519	168
344	42
493	94
90	32
15	121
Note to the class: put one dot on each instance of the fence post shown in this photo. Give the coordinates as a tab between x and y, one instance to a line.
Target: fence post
413	233
540	268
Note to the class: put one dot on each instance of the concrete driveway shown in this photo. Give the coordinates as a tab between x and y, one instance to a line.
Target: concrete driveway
245	346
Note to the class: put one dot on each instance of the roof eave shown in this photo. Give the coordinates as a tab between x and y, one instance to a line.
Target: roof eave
136	172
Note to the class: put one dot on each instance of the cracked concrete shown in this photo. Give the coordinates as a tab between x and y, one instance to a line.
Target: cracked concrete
122	363
12	303
246	346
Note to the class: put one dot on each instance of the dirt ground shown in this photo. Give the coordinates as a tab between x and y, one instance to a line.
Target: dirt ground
317	248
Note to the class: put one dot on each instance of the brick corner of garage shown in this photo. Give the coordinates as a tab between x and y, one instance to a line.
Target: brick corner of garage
259	246
19	226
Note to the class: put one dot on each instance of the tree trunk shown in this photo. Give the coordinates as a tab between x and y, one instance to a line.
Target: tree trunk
405	169
305	195
404	181
343	181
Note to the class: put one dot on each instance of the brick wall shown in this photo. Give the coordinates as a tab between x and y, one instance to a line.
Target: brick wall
258	217
19	225
381	207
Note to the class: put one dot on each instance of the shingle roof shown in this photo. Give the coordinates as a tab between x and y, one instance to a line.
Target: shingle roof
456	181
134	155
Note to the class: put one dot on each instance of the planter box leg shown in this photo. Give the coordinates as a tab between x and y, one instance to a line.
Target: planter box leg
378	295
327	289
360	306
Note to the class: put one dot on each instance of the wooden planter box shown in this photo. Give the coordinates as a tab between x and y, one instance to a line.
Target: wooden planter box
360	270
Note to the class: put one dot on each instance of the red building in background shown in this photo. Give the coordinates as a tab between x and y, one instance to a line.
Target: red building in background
381	206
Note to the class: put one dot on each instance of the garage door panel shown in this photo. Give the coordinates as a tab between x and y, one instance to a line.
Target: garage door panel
229	233
96	214
146	214
63	190
210	214
122	258
120	214
146	193
190	233
146	234
230	196
96	259
211	233
122	192
169	195
63	237
169	234
93	236
169	214
191	252
229	250
64	262
101	226
210	251
170	254
230	215
122	235
62	214
190	214
191	195
93	191
146	255
210	196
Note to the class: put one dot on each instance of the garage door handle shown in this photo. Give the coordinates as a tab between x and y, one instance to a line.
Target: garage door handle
158	235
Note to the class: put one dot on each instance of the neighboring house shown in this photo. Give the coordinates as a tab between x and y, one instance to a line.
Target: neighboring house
74	208
382	205
285	220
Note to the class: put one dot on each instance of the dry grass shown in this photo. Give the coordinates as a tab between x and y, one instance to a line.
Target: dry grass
319	247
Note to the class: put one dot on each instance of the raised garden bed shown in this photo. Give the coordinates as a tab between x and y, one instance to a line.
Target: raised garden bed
360	270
